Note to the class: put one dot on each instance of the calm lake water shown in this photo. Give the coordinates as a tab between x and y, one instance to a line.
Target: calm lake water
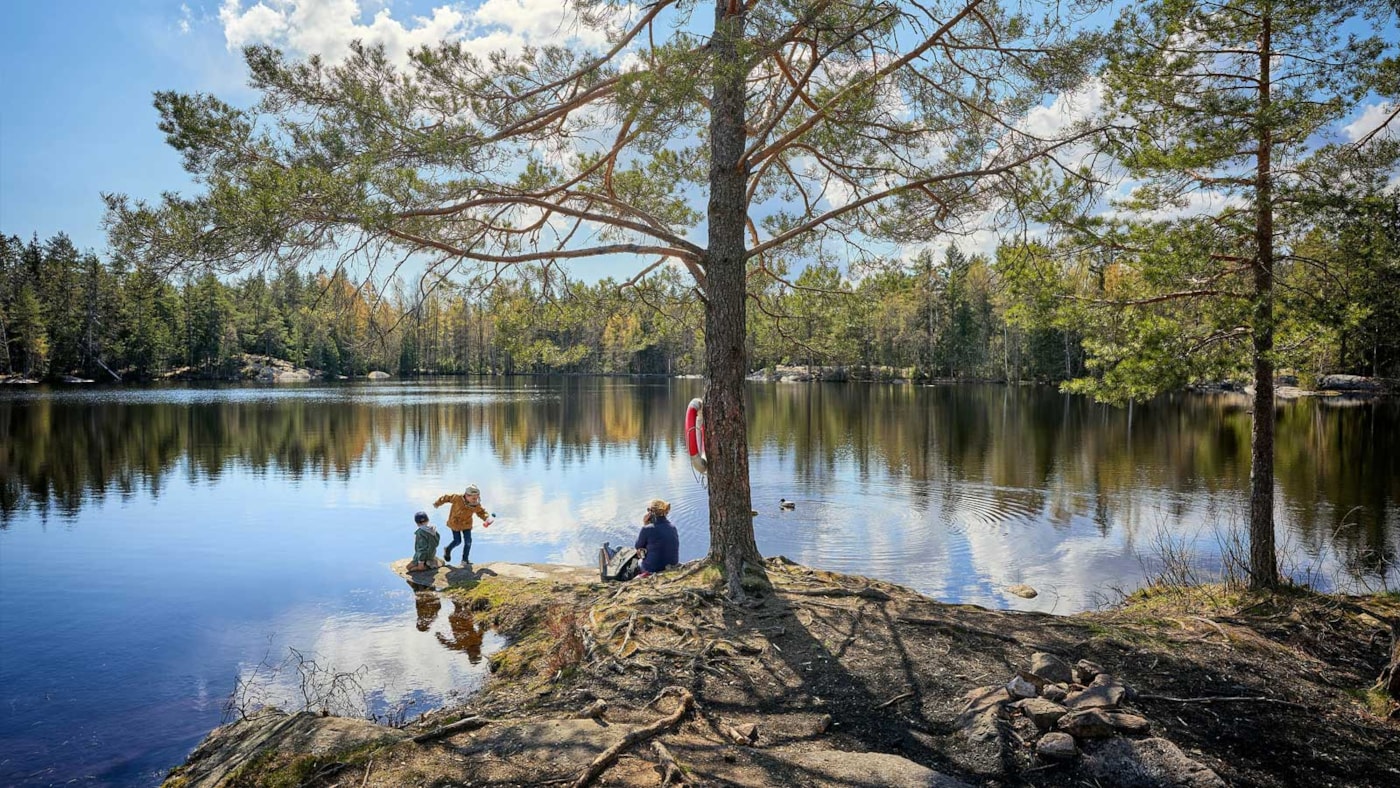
157	545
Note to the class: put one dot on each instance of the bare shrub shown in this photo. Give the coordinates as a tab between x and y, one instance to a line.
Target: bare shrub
1234	555
297	683
566	634
1171	562
1174	559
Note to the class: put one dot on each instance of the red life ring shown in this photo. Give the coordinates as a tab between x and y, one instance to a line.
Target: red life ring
695	434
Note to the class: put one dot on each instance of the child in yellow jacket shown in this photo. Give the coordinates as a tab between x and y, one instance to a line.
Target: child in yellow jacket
459	520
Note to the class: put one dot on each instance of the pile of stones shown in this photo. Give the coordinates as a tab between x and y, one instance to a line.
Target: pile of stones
1070	705
1076	718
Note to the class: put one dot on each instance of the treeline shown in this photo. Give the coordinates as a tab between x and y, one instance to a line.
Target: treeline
69	313
65	312
950	316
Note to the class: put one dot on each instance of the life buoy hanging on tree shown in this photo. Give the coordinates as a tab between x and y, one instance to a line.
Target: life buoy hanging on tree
695	434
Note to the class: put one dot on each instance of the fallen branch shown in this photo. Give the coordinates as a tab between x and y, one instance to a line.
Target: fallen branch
603	761
1218	628
1225	699
901	696
468	724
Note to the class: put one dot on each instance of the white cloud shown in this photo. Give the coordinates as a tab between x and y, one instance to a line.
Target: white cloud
257	24
185	16
1369	120
1067	109
327	27
538	21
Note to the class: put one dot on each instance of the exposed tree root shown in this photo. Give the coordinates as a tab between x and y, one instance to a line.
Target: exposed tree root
671	770
953	627
594	710
603	761
865	593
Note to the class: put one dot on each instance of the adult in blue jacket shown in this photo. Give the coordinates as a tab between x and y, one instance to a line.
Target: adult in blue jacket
658	538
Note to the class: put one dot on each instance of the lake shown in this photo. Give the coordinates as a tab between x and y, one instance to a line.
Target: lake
161	546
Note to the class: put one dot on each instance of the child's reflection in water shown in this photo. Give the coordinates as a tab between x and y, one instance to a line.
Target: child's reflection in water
428	604
466	633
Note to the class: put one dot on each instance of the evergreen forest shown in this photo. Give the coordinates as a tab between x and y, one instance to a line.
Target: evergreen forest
71	313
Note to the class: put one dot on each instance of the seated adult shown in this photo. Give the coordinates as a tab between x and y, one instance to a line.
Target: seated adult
658	539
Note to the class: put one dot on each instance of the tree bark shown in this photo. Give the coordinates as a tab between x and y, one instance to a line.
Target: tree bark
1263	564
1390	677
726	424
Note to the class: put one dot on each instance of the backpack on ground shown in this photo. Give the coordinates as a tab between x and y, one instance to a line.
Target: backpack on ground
618	564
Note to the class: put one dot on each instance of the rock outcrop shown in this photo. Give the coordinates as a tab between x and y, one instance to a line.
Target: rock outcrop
272	730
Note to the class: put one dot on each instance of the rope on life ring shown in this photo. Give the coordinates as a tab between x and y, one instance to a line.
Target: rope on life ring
695	434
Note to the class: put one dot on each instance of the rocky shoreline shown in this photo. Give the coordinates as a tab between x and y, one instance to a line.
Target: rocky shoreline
1286	386
820	679
1338	389
247	368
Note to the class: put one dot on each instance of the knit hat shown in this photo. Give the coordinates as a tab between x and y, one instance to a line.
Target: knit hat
472	489
421	517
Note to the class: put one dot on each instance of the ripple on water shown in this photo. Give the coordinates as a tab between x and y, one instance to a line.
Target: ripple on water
919	534
979	505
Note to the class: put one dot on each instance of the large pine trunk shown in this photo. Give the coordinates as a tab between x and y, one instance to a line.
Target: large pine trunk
726	425
1263	565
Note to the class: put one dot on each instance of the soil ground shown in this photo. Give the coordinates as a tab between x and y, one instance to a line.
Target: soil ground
850	681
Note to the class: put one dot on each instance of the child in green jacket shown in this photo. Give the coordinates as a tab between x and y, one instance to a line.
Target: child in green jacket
425	544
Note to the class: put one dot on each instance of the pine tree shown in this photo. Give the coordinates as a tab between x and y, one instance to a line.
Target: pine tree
1220	103
912	108
31	335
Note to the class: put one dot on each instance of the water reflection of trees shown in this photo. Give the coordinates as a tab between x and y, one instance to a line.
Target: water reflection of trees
1031	448
1014	448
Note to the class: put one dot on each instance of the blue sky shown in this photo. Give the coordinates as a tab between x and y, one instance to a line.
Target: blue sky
77	77
76	119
